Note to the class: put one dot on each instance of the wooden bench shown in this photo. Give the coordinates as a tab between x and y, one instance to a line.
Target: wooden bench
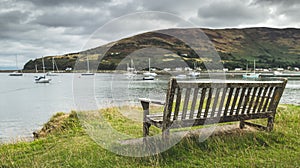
193	103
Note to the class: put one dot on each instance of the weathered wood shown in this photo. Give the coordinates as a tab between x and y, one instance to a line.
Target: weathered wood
146	125
263	97
247	97
195	95
201	103
236	96
222	101
239	101
229	84
169	104
252	100
268	98
178	102
228	101
258	97
208	102
216	99
186	102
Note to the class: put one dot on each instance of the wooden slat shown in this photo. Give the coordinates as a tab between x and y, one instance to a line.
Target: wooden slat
201	103
216	99
268	98
230	84
178	102
241	100
247	97
186	102
258	97
228	101
208	102
274	98
263	97
195	95
222	101
277	95
236	96
169	104
202	121
252	100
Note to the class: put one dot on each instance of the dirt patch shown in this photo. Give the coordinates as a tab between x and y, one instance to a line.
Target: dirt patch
55	124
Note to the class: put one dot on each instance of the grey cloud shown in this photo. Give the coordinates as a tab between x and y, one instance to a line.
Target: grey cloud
13	22
175	7
277	2
61	3
47	27
222	13
285	13
68	18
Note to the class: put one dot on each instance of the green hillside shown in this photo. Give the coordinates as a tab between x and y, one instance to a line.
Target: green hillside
269	47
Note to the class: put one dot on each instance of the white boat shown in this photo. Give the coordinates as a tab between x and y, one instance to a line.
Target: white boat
193	73
87	73
53	69
43	78
149	75
181	76
251	75
148	78
277	73
16	73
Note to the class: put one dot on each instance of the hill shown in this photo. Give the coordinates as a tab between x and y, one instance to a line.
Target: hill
268	46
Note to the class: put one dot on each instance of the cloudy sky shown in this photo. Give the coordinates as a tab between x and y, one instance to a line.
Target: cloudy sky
35	28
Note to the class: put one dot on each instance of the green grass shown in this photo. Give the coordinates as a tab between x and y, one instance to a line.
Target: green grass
69	146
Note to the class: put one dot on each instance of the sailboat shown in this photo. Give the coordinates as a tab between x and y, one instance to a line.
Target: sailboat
16	73
43	78
88	68
251	75
193	73
131	71
149	75
53	69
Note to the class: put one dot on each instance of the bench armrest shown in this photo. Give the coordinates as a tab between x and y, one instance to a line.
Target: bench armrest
152	101
145	104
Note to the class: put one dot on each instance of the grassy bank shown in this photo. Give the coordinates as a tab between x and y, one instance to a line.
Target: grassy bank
64	143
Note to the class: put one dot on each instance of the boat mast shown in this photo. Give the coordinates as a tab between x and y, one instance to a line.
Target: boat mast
17	62
53	64
149	64
254	65
88	64
43	64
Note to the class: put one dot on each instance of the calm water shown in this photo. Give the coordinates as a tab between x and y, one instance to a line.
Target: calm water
25	106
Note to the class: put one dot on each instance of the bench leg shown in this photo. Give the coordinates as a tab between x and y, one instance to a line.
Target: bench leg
270	124
165	134
146	127
268	128
242	124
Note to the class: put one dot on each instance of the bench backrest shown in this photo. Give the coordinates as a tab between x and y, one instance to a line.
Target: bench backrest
227	100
